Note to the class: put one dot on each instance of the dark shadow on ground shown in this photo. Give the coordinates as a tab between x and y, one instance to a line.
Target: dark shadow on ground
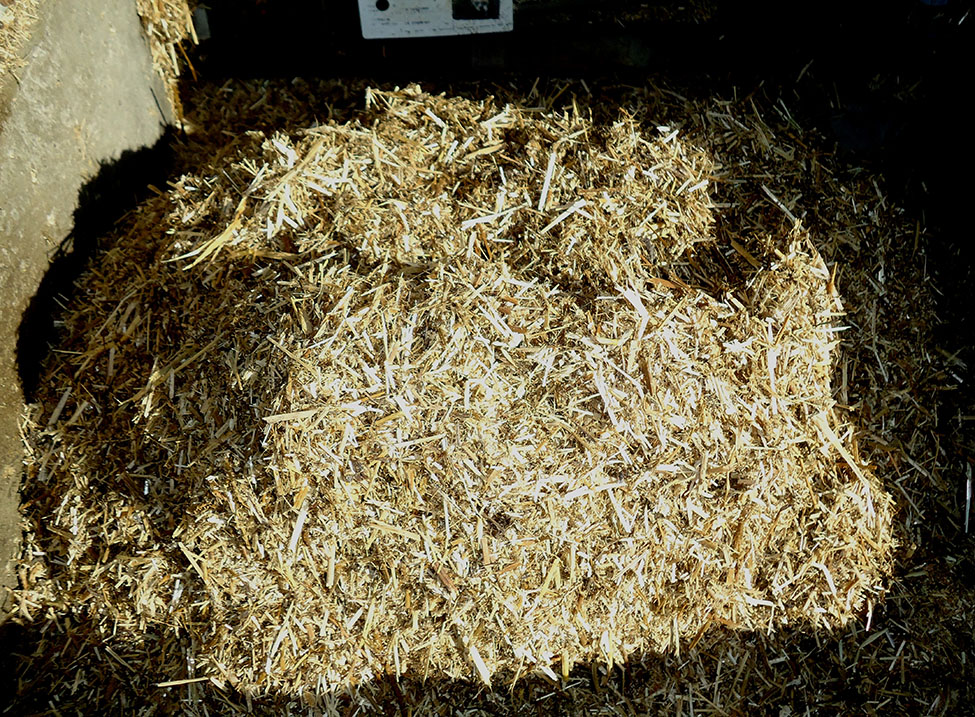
118	187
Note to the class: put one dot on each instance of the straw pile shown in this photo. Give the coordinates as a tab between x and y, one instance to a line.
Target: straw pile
430	392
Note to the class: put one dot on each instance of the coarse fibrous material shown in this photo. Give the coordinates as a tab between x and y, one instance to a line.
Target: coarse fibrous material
168	24
435	392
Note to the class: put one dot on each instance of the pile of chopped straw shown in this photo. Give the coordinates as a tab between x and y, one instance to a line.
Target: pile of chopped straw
435	392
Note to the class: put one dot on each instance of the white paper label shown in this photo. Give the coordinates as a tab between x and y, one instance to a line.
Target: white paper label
430	18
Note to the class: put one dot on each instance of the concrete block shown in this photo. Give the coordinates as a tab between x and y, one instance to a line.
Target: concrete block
87	92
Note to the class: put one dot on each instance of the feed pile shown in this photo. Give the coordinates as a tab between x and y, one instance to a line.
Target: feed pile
436	391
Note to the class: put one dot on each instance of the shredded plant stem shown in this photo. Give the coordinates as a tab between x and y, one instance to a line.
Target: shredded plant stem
450	389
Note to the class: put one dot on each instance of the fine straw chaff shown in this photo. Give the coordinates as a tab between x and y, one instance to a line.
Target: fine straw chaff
436	391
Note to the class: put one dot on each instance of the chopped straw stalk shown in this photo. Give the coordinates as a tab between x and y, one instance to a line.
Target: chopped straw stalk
17	20
167	24
414	396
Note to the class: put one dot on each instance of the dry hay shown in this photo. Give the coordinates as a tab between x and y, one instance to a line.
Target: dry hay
168	24
412	394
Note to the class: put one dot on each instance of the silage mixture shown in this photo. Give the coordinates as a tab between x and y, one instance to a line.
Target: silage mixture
435	392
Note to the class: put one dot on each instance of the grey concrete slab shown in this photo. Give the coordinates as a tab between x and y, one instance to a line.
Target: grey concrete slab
88	92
